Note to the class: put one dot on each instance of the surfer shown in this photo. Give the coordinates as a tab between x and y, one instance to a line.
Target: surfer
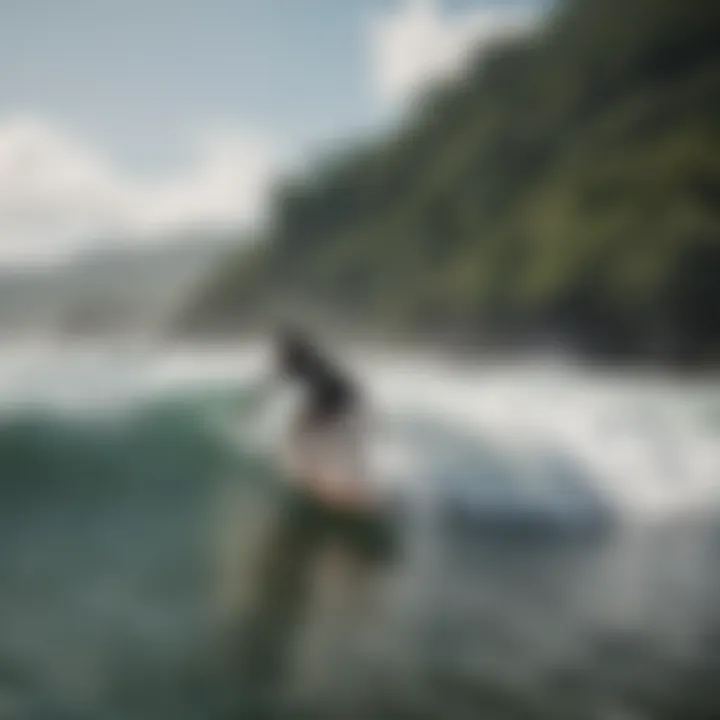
329	517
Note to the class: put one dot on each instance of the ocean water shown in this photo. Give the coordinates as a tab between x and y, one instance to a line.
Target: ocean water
555	545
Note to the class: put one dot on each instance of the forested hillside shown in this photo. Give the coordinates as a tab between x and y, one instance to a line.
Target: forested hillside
567	187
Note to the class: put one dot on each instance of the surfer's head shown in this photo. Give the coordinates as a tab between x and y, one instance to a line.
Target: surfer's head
296	353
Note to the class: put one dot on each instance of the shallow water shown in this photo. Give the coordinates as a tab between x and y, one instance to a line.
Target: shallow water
147	571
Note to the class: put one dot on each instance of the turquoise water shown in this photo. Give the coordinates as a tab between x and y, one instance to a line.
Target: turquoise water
147	571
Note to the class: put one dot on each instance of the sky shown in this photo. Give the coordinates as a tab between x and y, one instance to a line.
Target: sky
140	120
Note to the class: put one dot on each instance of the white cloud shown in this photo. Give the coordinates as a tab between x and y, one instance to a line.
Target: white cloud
417	44
58	194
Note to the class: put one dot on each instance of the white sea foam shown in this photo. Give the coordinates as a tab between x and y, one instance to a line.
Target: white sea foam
533	435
